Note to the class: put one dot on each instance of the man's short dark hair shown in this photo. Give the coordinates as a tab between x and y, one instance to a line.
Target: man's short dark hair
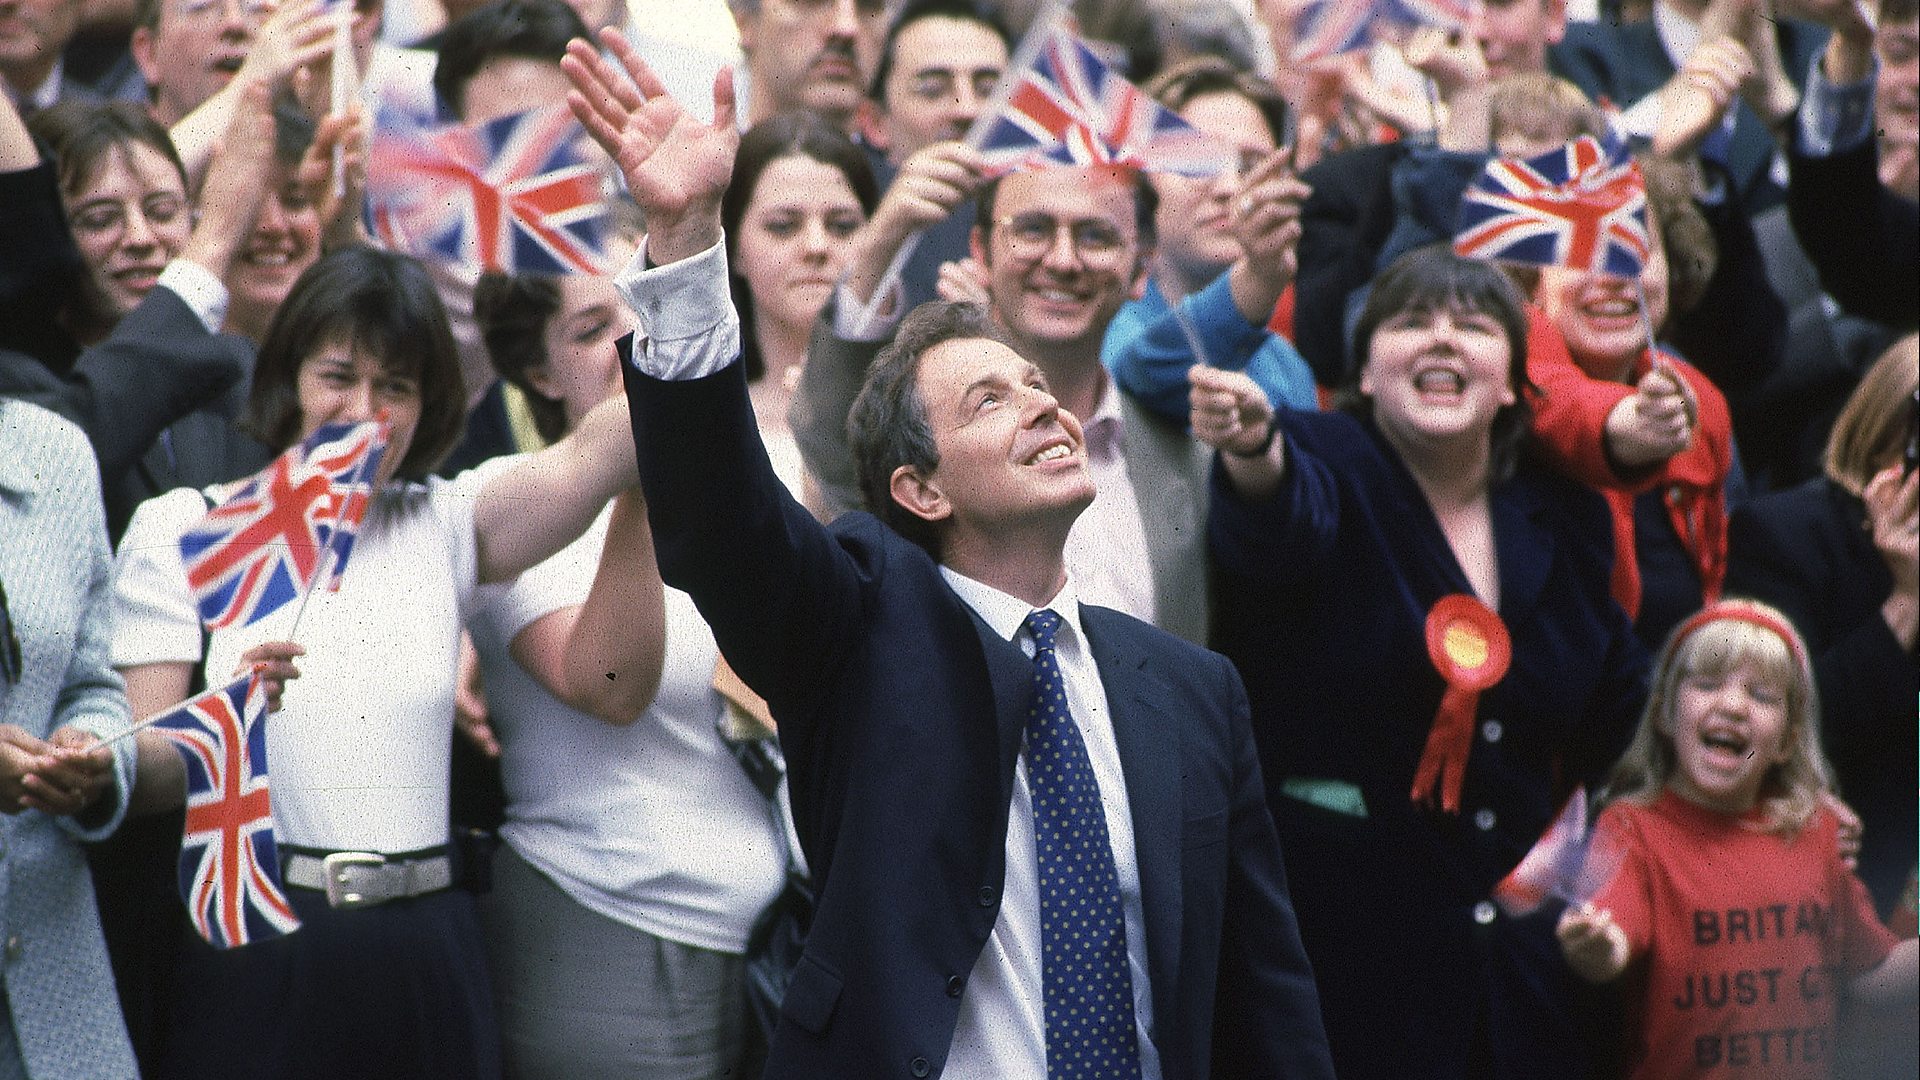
527	29
916	10
1146	203
888	425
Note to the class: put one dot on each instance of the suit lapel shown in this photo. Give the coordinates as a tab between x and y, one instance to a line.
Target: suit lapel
1149	743
1010	674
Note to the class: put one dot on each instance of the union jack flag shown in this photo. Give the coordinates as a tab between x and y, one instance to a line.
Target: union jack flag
1582	207
515	195
1070	108
229	864
1331	27
1567	861
265	545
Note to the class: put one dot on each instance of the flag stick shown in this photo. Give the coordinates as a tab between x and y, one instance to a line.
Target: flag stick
1037	34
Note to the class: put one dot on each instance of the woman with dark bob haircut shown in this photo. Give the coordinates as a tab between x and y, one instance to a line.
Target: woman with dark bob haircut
801	189
386	976
1433	660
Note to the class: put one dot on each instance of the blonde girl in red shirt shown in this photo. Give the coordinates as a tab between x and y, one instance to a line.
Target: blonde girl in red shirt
1733	918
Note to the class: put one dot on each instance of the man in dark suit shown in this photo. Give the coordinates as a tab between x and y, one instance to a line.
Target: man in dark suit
896	658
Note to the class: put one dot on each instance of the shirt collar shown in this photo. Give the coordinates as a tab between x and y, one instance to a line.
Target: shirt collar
1006	613
47	94
1107	426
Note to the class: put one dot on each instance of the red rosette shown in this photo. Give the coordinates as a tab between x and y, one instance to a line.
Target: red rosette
1469	647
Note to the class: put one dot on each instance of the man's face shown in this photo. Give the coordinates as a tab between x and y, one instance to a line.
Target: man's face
944	73
1195	220
194	50
1062	254
506	85
813	54
1009	454
33	33
1515	34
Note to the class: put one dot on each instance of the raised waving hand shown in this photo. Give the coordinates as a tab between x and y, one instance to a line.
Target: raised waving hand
676	167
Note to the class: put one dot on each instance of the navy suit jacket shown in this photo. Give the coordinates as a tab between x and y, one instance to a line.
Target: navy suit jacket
901	716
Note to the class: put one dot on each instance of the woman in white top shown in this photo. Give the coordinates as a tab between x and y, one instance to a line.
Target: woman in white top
637	853
385	977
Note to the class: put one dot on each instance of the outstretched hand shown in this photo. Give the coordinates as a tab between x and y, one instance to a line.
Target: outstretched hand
676	167
1655	422
1229	411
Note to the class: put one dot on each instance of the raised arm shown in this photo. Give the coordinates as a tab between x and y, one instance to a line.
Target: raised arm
604	656
777	590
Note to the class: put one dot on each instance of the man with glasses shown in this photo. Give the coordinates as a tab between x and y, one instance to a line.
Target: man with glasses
1061	250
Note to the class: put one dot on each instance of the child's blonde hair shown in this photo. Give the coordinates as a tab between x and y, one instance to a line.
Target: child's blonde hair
1713	642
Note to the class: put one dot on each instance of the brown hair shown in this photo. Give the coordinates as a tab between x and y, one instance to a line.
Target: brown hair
513	311
81	133
1544	107
1177	86
1878	420
384	304
888	425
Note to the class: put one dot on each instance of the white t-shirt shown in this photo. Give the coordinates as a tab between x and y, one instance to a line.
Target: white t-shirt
655	824
358	755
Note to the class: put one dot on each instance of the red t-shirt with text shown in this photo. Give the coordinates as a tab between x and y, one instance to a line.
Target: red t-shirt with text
1742	940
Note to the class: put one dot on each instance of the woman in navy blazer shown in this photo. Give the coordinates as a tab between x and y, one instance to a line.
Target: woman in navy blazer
1337	534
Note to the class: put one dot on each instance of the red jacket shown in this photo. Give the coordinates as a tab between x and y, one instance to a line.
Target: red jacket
1569	426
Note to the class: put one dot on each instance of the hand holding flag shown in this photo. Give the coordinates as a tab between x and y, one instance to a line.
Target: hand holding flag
229	864
273	539
1567	862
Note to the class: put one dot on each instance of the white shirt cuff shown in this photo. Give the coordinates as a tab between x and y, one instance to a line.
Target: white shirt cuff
199	289
688	328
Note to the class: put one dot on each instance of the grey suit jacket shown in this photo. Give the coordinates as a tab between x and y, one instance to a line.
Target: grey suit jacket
54	561
1168	468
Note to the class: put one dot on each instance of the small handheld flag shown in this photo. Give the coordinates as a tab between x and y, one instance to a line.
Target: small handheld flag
229	864
1566	862
514	195
1331	27
1069	108
266	544
1581	207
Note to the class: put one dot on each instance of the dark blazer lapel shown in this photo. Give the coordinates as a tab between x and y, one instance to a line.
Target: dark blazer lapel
1011	675
1149	743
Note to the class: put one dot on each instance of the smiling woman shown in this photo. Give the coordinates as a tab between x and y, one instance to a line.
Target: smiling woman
801	190
1373	562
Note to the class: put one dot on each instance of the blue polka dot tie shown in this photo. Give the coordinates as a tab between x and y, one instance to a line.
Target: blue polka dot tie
1087	988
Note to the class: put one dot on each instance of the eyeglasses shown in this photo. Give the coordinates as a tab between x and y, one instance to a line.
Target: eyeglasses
9	643
1031	235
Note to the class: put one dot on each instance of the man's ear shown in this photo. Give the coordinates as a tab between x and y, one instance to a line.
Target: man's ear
918	494
1556	21
141	49
871	121
977	242
1138	288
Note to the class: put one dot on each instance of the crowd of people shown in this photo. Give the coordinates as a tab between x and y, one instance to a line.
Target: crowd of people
1117	623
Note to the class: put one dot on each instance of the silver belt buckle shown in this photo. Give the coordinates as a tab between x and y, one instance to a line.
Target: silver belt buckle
339	869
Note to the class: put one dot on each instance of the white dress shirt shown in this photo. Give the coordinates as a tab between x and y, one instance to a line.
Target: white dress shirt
1002	1029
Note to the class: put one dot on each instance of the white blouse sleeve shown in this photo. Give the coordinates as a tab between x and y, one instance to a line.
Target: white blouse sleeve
154	617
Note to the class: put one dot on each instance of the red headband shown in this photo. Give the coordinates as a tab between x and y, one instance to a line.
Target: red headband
1745	613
